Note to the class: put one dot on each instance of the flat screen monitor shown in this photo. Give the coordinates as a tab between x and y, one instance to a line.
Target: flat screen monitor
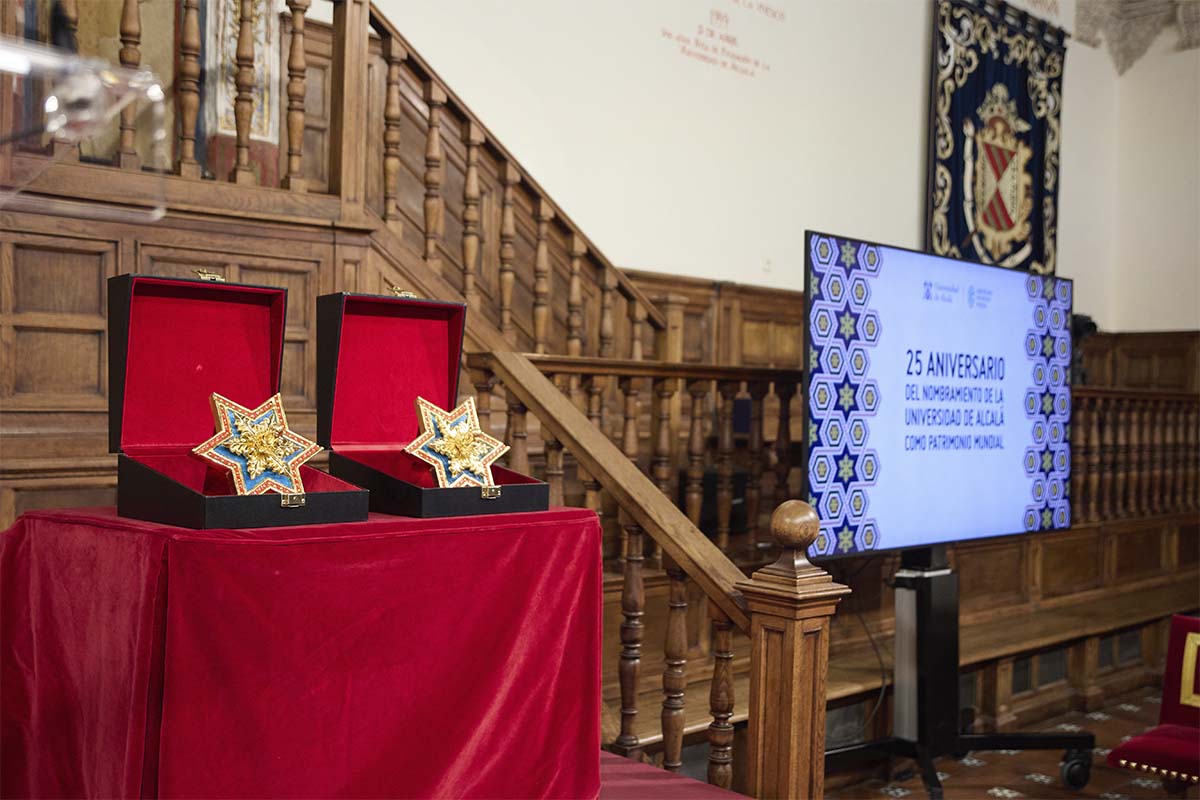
937	398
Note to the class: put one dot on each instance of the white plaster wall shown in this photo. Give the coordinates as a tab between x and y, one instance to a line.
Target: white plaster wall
674	165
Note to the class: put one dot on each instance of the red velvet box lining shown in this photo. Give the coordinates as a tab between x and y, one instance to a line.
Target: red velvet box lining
186	341
391	351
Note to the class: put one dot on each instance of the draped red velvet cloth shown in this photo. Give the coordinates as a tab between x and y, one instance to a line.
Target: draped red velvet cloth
395	657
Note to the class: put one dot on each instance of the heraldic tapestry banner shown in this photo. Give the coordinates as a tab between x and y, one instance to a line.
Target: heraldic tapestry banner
994	135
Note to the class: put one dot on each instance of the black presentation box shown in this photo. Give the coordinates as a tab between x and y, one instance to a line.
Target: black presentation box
172	343
375	355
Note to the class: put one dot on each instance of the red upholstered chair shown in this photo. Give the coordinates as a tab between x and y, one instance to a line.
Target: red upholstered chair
1172	749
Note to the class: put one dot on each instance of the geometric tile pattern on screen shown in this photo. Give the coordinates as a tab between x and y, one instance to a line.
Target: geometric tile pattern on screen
843	331
1047	404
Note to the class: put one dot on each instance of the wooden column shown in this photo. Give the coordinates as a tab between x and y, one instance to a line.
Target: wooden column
483	381
1145	457
243	105
676	646
720	701
509	178
131	58
694	492
554	466
472	140
783	442
727	391
541	277
790	604
348	97
633	594
435	98
637	327
1193	450
188	92
575	297
1091	508
394	54
296	89
757	391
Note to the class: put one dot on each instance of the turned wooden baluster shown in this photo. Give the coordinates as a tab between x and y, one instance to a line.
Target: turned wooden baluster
297	66
472	139
1092	514
727	390
575	297
544	212
783	442
243	105
608	288
1108	460
1175	457
435	98
1159	455
554	460
594	386
67	150
483	381
694	491
131	58
394	55
758	391
1121	500
575	310
1145	456
1080	449
509	178
517	437
633	594
1193	451
637	327
720	700
188	91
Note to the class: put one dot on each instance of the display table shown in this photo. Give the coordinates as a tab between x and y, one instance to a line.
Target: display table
393	657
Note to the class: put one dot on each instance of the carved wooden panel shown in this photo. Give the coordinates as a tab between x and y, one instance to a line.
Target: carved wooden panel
1167	360
53	298
1071	562
992	573
1138	552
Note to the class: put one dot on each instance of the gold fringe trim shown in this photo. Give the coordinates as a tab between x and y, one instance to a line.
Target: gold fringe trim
1162	773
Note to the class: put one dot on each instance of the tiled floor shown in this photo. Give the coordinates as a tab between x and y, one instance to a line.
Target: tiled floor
1009	774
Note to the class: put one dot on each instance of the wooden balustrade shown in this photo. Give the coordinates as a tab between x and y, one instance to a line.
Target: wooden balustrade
1133	453
187	92
473	139
243	104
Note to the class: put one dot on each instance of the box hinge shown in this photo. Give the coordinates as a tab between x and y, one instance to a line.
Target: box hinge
291	501
402	293
206	275
489	492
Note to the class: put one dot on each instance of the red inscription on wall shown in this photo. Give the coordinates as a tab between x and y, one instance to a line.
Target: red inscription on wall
716	42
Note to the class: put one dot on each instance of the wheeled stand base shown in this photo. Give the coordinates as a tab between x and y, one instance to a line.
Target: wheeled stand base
926	686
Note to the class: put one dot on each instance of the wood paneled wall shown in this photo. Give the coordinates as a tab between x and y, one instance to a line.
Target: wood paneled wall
1167	360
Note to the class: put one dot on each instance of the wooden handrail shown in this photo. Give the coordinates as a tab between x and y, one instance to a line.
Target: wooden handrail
637	495
587	365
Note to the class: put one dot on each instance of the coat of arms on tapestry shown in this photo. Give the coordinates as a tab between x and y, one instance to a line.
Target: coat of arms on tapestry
994	135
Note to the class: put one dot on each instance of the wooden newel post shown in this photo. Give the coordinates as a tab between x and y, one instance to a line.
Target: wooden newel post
790	604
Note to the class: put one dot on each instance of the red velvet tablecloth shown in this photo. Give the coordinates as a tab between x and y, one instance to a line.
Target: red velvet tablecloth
395	657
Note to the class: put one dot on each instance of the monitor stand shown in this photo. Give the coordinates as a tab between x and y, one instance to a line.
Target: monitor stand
925	718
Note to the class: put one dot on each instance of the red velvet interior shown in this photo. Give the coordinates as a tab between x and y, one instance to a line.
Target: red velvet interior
186	341
391	351
399	464
1167	747
200	477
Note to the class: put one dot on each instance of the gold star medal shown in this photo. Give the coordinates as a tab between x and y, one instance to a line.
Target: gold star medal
257	447
452	442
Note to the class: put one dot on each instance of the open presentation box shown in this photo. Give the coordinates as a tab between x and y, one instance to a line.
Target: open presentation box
375	355
171	344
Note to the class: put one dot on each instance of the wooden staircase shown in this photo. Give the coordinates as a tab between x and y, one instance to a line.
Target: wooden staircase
400	187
